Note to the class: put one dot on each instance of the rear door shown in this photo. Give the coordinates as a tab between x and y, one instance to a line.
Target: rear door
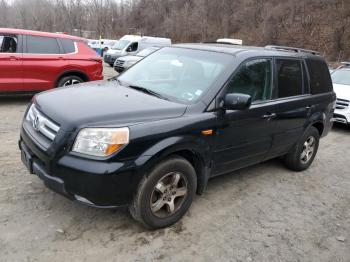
43	62
10	63
294	103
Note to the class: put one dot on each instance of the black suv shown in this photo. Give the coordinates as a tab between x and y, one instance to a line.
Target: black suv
153	136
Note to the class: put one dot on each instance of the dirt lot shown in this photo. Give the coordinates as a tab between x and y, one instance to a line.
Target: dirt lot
262	213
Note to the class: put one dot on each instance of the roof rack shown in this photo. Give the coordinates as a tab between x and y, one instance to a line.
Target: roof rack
292	49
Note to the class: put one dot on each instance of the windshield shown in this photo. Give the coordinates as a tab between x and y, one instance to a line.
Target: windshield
146	52
120	45
341	76
176	73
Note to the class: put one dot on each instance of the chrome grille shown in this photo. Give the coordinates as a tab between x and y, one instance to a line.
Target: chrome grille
42	124
119	63
342	104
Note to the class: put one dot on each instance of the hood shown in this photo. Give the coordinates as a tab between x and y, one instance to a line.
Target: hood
342	91
130	58
104	103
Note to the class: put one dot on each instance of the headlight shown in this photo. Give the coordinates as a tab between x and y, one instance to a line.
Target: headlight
101	141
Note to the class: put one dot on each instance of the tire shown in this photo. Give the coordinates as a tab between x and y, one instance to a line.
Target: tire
111	65
64	81
297	159
148	196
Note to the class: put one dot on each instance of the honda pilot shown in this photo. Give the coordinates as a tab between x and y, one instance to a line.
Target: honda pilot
151	138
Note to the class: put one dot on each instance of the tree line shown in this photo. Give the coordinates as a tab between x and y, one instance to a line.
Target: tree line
322	25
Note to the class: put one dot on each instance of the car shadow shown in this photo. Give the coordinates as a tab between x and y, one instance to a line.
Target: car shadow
15	99
338	127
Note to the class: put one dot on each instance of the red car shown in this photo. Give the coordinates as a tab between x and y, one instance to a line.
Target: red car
32	61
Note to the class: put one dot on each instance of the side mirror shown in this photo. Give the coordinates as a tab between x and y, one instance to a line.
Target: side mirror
237	101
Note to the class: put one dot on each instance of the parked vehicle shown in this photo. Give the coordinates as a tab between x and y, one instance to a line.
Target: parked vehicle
102	45
36	61
124	62
131	45
152	137
341	84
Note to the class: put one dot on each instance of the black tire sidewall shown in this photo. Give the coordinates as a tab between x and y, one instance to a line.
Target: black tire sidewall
296	163
174	164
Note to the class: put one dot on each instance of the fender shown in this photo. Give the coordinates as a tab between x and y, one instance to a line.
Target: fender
317	117
199	149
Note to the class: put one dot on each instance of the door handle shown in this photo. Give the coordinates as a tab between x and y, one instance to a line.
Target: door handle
13	58
308	107
269	116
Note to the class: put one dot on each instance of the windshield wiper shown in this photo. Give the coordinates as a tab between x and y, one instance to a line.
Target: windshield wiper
147	91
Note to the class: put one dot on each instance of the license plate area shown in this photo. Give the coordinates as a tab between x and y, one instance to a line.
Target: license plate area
27	159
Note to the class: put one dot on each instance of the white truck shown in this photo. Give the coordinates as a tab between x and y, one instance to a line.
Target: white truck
131	45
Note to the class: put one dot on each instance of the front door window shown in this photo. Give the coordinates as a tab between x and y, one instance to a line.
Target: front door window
253	78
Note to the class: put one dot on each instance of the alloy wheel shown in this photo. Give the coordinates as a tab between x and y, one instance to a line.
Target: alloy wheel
168	194
71	82
308	150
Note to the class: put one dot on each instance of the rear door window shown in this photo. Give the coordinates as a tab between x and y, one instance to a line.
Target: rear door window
42	45
289	77
8	44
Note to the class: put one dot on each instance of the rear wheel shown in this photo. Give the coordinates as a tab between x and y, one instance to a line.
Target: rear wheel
69	80
303	153
165	195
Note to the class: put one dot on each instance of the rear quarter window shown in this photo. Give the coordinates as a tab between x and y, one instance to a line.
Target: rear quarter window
68	46
320	79
42	45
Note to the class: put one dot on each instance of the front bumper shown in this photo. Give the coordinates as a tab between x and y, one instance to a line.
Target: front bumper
109	59
342	116
119	69
91	182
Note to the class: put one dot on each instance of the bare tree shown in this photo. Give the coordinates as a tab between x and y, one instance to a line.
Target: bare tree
319	24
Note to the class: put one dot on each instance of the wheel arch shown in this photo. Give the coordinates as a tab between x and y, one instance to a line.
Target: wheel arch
317	120
77	73
197	154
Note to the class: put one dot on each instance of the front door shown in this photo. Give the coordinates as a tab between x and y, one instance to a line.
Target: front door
244	137
10	63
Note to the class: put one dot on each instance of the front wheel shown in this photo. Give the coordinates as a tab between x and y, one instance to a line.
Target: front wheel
303	153
166	194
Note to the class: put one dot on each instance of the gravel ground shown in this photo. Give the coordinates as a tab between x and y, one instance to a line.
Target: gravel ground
261	213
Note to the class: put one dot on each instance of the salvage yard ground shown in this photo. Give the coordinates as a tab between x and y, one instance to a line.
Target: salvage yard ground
261	213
